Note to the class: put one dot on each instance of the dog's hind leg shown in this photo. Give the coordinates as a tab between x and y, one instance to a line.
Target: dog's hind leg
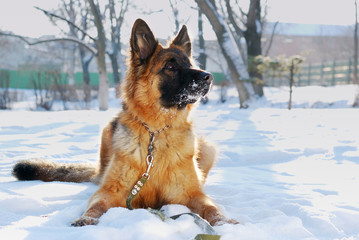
206	157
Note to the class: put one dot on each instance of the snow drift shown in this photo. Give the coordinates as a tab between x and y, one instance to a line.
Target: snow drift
283	174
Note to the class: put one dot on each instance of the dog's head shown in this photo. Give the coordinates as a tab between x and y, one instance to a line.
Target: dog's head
164	75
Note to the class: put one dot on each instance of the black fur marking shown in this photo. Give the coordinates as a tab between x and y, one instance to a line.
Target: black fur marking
114	125
25	171
182	86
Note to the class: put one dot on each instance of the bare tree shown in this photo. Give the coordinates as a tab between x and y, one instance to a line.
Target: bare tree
356	102
85	56
99	51
229	49
356	44
174	8
100	57
69	39
252	33
83	12
116	19
294	67
77	12
100	43
281	67
202	51
5	98
44	96
271	39
71	50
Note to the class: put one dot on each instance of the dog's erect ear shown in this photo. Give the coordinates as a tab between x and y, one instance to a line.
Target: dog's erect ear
143	42
182	40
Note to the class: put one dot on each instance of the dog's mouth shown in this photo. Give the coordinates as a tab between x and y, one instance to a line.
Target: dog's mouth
193	92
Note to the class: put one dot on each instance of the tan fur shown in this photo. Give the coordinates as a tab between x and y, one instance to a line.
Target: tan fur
181	160
175	178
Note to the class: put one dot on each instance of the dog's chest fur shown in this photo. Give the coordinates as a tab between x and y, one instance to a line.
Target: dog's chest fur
174	158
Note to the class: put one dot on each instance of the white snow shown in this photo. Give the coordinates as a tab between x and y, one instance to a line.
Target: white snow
283	174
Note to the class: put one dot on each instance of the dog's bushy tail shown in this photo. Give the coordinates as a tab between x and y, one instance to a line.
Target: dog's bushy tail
48	171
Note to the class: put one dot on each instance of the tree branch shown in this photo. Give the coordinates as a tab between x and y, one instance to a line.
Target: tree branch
124	7
238	30
69	39
271	39
66	20
244	15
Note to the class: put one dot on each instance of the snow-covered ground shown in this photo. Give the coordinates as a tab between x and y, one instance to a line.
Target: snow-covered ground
283	174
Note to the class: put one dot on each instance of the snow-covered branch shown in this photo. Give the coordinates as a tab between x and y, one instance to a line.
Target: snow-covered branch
69	39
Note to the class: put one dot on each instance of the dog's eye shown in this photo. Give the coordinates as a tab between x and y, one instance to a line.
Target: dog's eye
170	66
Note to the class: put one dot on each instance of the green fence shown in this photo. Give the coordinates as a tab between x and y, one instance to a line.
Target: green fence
218	78
24	79
324	74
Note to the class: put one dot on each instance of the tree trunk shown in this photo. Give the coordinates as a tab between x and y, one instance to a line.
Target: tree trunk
121	62
100	58
237	69
114	64
356	81
253	36
69	64
356	45
116	55
202	51
291	81
116	74
103	82
86	75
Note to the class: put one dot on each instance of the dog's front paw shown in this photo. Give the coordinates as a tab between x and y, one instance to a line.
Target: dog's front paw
224	220
216	218
83	221
219	220
232	221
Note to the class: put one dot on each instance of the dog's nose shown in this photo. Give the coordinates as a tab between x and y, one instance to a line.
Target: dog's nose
206	76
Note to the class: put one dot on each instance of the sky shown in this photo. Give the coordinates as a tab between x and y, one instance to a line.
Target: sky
20	17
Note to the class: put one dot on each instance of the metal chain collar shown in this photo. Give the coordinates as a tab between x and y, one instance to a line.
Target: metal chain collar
149	157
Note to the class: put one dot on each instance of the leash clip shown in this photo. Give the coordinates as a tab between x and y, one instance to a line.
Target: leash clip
149	160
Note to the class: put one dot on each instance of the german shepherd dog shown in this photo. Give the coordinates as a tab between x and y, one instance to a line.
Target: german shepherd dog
160	90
